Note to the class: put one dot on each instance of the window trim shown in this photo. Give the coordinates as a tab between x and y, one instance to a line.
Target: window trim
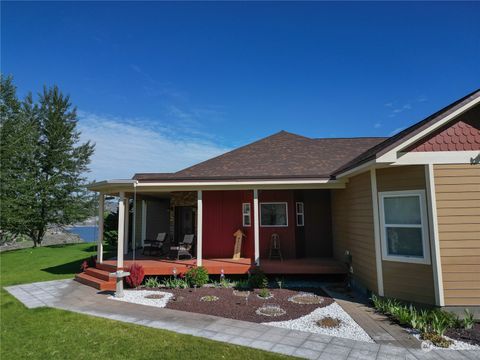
272	203
423	225
249	214
298	213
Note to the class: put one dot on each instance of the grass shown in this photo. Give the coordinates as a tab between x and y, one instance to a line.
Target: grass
46	333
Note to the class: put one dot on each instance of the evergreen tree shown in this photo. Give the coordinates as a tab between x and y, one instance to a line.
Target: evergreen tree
43	164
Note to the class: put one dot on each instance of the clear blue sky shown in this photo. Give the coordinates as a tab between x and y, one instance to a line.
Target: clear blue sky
162	85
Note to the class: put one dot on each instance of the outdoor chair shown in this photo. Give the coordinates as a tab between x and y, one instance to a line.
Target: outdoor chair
275	251
184	247
155	246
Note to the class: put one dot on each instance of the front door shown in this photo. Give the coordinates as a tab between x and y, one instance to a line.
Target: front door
184	222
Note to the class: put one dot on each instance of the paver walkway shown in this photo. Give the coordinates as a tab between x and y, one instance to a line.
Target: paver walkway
70	295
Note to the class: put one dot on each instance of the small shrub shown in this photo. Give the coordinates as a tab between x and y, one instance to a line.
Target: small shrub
437	340
258	279
197	276
224	283
242	284
469	320
152	282
209	298
136	276
264	293
175	283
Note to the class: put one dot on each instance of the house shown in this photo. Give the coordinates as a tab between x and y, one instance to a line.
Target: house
406	208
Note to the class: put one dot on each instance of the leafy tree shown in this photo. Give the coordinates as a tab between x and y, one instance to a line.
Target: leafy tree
44	164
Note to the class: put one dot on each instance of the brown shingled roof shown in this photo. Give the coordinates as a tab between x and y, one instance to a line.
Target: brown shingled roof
282	155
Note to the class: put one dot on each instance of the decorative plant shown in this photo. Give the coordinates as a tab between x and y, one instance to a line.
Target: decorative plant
136	276
258	279
437	340
242	285
264	293
197	276
175	283
280	282
152	282
469	320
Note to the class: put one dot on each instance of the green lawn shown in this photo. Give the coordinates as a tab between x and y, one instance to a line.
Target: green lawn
46	333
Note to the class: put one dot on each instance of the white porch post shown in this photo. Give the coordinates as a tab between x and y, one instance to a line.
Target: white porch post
121	230
144	222
199	227
256	227
434	235
376	231
127	225
101	207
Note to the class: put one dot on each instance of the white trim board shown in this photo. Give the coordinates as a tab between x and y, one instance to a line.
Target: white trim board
437	157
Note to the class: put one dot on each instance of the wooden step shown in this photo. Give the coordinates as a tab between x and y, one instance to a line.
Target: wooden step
94	282
106	267
101	274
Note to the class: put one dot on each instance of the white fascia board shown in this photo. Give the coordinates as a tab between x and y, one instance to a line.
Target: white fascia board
391	155
438	157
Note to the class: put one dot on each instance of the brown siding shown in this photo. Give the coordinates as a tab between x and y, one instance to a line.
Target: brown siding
352	221
412	282
457	189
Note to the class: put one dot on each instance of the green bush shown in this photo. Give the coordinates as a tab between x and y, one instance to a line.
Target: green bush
264	293
258	279
152	282
197	276
469	320
175	283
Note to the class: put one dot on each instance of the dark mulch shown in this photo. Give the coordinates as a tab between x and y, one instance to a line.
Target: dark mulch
471	336
235	307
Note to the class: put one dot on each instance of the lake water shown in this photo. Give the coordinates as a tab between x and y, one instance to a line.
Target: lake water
86	233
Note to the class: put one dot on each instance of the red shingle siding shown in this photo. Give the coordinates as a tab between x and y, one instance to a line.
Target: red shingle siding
460	136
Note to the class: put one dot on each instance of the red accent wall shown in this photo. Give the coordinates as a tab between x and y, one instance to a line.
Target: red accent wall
222	216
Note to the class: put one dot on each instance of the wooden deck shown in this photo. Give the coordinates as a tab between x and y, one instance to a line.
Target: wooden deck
155	266
99	277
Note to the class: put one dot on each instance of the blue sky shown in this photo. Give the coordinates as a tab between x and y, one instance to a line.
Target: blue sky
160	86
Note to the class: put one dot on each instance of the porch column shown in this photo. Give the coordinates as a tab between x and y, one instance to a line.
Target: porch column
199	227
144	222
127	225
101	207
121	230
256	227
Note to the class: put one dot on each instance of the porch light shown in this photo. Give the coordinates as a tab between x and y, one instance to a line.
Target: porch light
174	272
222	275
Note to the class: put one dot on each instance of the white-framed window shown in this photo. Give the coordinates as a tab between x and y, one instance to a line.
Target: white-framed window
246	214
300	213
273	214
404	226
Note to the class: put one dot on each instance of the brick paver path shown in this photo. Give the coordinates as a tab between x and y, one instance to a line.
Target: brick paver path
70	295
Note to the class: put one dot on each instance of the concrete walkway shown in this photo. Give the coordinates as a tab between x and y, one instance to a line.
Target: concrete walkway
72	296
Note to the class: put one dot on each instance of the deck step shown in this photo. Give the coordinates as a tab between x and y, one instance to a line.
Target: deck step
106	267
101	274
95	282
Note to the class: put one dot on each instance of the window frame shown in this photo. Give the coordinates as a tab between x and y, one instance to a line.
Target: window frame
424	226
274	203
248	213
298	213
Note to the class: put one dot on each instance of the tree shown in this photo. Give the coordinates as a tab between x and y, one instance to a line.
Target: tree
18	142
51	185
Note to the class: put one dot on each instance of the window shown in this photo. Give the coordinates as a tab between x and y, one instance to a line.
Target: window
300	216
273	214
404	232
246	214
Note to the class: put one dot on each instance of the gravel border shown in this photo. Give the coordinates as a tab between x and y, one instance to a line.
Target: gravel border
348	329
457	344
138	297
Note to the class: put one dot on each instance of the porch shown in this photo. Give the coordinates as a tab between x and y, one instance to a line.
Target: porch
162	267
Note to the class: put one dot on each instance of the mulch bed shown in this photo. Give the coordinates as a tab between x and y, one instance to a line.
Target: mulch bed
235	307
471	336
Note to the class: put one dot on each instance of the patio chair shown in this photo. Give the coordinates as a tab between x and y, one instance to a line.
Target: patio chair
185	246
155	246
275	251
